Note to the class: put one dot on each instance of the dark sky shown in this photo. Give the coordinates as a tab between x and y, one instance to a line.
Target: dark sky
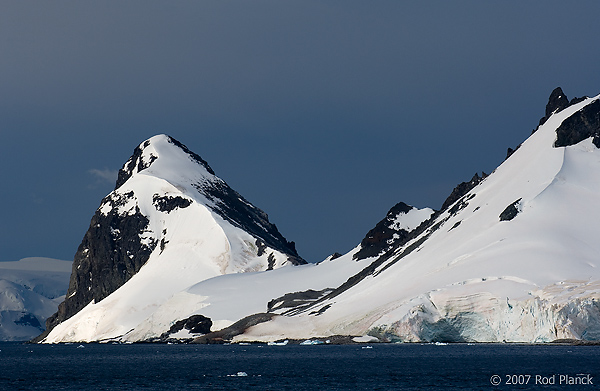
322	113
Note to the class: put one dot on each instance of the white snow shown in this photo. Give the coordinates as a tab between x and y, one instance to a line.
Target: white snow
491	280
533	278
199	245
412	219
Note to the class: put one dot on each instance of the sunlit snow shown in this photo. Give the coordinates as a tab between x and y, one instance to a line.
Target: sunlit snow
534	278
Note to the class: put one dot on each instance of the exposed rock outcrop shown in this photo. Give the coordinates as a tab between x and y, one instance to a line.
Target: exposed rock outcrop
581	125
378	239
556	102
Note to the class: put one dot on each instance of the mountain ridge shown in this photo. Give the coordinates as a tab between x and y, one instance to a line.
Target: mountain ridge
495	263
462	300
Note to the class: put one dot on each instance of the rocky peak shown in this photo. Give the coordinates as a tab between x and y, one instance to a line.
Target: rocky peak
461	189
557	102
394	228
120	238
145	154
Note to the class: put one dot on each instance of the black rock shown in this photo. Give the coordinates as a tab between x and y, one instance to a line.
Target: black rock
296	299
383	234
136	161
111	252
509	152
577	100
197	324
335	255
237	328
234	208
583	124
169	203
461	189
510	212
558	101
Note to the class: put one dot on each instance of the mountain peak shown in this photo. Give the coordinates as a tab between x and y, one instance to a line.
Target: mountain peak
395	228
172	215
145	154
557	101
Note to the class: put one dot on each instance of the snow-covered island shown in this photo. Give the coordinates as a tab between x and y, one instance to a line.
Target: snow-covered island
175	253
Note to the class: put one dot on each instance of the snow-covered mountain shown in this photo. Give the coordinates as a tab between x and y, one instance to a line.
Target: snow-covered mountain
30	290
513	256
169	224
510	256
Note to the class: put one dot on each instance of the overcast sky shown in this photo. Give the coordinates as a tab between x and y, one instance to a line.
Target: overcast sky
322	113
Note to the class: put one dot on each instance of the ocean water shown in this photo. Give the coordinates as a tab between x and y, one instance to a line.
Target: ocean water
294	367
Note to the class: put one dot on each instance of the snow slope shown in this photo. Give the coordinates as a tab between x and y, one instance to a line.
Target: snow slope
170	205
512	258
472	276
226	299
30	290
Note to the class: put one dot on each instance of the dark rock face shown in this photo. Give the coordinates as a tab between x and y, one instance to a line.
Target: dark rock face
580	126
577	100
135	161
462	203
461	189
234	208
270	261
510	151
197	324
321	310
510	212
558	101
169	203
111	252
237	328
383	234
335	255
261	246
455	225
291	301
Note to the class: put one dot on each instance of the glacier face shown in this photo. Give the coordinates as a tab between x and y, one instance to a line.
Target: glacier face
470	275
168	225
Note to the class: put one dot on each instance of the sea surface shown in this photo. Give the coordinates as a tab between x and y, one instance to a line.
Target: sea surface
295	367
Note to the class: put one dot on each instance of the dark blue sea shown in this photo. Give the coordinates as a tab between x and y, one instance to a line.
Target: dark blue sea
295	367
